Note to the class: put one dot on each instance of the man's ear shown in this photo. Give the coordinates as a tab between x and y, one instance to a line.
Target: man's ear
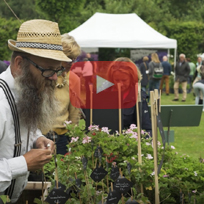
16	66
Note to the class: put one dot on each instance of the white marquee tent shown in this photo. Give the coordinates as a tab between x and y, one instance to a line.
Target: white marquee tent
120	31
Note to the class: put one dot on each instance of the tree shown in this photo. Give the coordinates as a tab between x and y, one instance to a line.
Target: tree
62	11
9	29
23	9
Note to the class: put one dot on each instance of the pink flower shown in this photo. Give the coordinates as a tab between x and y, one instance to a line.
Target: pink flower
67	122
149	156
105	129
143	132
165	176
134	135
159	143
194	191
133	126
153	173
117	133
86	139
147	143
93	127
129	131
172	147
113	163
74	139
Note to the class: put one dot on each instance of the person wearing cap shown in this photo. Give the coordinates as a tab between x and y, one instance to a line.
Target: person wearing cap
67	84
27	103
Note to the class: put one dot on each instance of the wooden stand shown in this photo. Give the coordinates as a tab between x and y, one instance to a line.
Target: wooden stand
138	98
153	104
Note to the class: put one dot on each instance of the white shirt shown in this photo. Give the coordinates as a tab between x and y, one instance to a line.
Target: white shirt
12	168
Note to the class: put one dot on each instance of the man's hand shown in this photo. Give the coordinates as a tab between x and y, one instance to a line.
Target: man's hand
37	158
42	143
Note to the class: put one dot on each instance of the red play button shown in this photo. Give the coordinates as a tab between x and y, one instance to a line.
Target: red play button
104	85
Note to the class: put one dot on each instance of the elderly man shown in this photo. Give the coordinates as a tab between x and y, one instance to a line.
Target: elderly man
182	71
27	103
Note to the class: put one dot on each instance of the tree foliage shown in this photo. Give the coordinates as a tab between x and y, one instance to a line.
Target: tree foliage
9	29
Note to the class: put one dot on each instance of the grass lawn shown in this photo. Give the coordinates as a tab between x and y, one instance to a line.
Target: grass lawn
187	140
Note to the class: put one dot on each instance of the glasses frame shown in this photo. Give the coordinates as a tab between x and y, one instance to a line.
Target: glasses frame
58	72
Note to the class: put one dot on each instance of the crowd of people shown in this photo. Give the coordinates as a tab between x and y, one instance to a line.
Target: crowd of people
35	97
184	72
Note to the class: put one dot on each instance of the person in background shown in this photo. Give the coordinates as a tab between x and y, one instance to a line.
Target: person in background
87	73
192	71
199	87
182	71
3	66
31	78
128	75
67	84
154	64
197	76
167	71
88	56
144	67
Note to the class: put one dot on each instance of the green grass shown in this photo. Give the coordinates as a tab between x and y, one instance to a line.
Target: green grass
187	140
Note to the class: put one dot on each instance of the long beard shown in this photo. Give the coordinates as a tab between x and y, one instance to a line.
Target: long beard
37	105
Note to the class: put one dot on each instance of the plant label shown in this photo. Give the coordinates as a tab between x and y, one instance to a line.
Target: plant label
131	201
100	202
98	149
114	173
98	174
122	185
113	197
129	167
84	162
57	195
78	183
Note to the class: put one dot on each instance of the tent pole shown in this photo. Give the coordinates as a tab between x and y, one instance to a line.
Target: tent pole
168	54
175	52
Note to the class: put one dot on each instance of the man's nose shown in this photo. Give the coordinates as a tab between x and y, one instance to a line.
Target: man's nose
54	77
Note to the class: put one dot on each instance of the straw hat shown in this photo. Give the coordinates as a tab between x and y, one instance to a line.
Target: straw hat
41	38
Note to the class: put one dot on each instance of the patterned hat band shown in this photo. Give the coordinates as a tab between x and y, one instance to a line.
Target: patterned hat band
39	45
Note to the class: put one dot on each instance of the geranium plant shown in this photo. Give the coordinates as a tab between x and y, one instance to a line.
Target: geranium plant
96	148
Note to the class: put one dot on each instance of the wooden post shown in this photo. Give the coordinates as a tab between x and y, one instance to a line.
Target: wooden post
153	116
119	108
138	98
156	98
91	103
160	101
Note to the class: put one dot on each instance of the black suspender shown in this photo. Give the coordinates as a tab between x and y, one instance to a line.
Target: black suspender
17	145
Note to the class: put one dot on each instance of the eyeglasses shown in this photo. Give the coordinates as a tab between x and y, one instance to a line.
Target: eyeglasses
47	72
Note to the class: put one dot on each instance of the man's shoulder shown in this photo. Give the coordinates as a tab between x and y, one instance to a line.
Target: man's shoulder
166	63
4	106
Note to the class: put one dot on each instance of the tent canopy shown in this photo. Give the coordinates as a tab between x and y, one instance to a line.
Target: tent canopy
120	30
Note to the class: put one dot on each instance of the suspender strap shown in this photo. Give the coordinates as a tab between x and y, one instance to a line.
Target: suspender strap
17	145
